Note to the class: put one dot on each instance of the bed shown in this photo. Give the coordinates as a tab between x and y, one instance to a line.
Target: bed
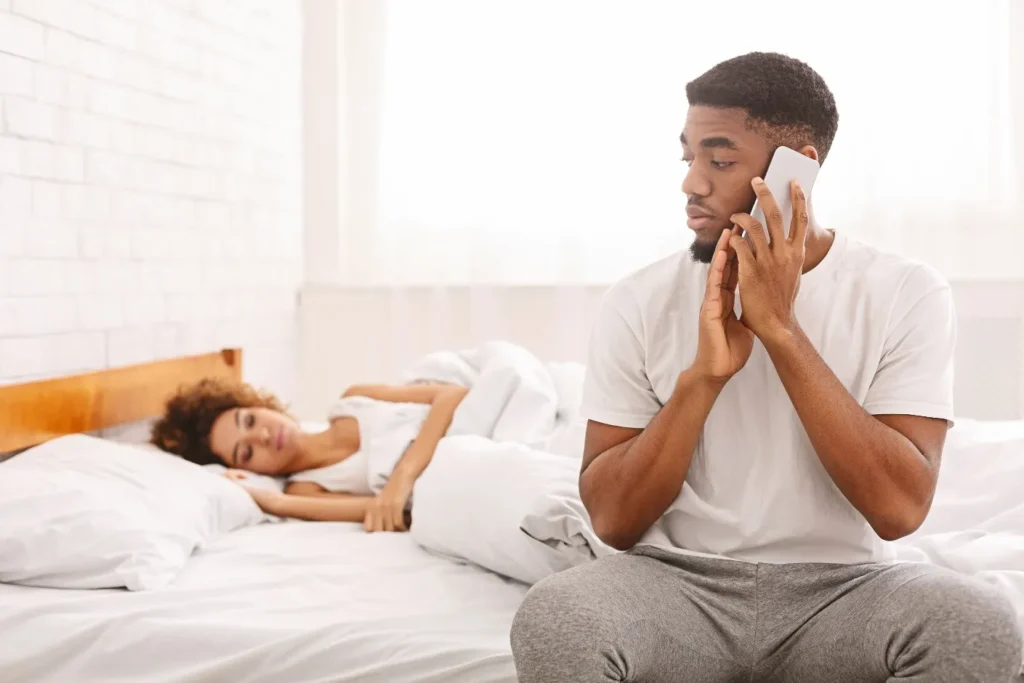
294	601
277	602
303	601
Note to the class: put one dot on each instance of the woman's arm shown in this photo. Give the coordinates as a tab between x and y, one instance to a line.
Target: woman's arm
442	409
386	513
403	393
443	400
308	488
332	507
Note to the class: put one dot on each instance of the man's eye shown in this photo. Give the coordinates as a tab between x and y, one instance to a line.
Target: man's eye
722	164
250	420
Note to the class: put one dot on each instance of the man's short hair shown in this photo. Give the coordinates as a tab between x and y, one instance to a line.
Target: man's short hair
784	97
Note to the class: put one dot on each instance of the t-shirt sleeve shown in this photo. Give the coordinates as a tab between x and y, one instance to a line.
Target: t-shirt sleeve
616	390
915	374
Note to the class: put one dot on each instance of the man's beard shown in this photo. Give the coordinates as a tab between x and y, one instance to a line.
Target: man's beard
703	252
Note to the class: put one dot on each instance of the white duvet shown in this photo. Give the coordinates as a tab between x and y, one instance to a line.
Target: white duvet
976	524
470	499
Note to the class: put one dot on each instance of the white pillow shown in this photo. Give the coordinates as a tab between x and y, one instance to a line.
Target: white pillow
82	512
471	500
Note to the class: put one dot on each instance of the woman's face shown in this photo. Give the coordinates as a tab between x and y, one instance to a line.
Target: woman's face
260	440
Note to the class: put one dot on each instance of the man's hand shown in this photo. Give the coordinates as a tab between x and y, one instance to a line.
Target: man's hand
769	274
724	343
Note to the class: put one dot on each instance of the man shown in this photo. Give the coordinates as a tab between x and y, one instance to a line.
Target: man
754	468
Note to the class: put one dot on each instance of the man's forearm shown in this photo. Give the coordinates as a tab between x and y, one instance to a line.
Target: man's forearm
880	471
628	487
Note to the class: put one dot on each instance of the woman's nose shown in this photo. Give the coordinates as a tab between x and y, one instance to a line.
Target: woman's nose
265	436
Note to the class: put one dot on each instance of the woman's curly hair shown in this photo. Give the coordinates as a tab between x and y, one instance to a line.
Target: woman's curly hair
189	415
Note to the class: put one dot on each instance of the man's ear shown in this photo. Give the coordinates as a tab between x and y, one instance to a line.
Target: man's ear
809	151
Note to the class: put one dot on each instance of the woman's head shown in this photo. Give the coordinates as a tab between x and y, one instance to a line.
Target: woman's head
231	423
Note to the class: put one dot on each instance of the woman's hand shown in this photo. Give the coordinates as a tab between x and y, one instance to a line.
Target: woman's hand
236	475
268	500
386	512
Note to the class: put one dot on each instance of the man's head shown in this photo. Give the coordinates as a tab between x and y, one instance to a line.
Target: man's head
740	112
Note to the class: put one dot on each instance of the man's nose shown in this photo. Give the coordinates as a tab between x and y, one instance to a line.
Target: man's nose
695	183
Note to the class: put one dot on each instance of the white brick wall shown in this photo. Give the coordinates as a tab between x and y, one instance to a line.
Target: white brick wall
149	184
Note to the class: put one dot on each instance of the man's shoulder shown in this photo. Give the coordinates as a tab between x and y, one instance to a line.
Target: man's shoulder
894	275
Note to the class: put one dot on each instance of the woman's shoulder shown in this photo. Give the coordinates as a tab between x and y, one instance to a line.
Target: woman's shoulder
351	406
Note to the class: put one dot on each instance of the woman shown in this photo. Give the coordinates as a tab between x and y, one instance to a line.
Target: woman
225	422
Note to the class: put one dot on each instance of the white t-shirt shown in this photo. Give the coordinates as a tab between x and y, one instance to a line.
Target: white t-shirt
756	490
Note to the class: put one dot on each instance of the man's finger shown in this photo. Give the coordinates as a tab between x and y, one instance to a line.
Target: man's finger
723	241
396	518
772	213
744	256
733	278
716	274
798	229
758	241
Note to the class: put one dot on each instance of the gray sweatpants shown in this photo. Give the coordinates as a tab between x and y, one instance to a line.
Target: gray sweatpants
652	616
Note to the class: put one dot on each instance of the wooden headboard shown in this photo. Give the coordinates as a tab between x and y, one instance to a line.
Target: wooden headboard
35	412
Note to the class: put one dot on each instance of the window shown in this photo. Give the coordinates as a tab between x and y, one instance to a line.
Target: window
536	141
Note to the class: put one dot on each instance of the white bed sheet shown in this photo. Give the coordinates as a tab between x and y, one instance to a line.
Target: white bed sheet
290	602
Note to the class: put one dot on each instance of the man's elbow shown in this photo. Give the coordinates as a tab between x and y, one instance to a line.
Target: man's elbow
612	531
900	523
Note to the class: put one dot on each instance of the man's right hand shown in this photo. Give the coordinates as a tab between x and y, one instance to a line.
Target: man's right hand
724	343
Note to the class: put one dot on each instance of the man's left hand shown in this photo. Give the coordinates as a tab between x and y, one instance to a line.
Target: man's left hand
769	273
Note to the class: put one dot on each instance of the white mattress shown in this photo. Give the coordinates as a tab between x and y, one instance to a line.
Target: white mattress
292	602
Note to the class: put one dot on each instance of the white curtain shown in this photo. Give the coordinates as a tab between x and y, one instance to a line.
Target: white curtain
483	145
536	141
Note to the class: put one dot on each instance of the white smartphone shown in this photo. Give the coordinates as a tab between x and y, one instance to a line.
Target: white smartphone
787	165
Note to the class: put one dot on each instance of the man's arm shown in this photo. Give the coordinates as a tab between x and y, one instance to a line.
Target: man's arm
886	466
629	476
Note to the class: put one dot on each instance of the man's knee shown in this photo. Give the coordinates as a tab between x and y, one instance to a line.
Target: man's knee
989	613
967	618
553	612
564	629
